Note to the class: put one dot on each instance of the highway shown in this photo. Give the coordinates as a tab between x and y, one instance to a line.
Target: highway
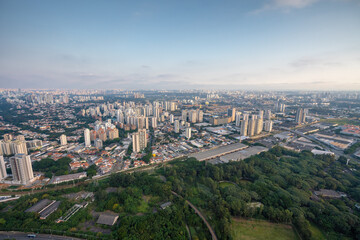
20	235
337	153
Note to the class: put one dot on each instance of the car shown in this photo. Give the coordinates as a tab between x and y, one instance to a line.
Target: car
31	236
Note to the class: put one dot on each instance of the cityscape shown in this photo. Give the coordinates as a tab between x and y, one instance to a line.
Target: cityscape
180	120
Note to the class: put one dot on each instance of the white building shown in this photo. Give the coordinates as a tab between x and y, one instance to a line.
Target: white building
63	140
3	173
268	125
87	138
21	168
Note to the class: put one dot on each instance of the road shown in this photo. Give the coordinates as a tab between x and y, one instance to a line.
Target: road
337	153
197	211
19	235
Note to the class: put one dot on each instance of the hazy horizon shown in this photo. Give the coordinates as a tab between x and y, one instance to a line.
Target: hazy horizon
232	45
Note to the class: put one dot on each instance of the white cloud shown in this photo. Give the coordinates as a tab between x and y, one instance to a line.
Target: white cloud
285	5
292	3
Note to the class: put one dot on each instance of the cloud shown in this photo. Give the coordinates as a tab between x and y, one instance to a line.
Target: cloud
285	5
312	62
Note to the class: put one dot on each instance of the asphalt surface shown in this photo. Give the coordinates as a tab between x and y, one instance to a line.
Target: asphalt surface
19	235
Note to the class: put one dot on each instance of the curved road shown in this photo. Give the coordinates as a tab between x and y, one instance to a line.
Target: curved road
212	232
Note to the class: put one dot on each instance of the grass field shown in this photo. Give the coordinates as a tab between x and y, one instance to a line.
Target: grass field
243	229
225	184
342	121
316	234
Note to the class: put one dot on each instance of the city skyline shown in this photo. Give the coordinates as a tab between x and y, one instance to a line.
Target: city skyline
250	45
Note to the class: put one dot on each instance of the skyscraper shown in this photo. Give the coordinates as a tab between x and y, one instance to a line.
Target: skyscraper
259	125
184	115
188	132
244	127
21	168
300	116
200	116
19	146
139	140
231	113
63	140
192	116
268	125
87	137
176	126
171	118
237	119
252	125
268	114
98	143
3	173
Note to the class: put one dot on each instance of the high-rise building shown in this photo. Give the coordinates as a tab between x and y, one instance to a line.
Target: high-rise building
87	137
21	168
8	137
231	113
173	106
113	133
261	114
259	125
244	127
193	116
176	126
252	125
268	125
237	119
139	140
153	122
171	118
102	134
300	116
3	173
188	132
63	140
268	114
6	148
18	147
184	114
98	143
200	116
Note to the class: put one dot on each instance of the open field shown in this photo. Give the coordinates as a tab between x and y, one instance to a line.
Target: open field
342	121
254	229
226	184
316	233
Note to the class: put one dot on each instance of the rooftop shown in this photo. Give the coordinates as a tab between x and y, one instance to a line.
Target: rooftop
219	151
107	219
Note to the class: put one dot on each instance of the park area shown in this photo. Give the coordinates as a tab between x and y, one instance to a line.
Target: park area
243	229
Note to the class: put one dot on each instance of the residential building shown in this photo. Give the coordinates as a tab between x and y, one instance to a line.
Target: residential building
3	173
21	168
63	140
87	138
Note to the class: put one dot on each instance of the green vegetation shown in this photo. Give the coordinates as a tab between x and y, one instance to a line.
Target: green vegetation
352	149
316	233
342	121
276	186
91	171
259	229
50	167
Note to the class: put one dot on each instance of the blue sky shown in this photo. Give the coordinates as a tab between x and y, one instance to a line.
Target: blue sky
248	44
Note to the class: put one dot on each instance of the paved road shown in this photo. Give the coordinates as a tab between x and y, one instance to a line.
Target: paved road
337	152
19	235
197	211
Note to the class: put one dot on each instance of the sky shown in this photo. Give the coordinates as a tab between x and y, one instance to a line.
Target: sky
187	44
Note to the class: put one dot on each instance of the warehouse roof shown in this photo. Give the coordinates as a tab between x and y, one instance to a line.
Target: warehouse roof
219	151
